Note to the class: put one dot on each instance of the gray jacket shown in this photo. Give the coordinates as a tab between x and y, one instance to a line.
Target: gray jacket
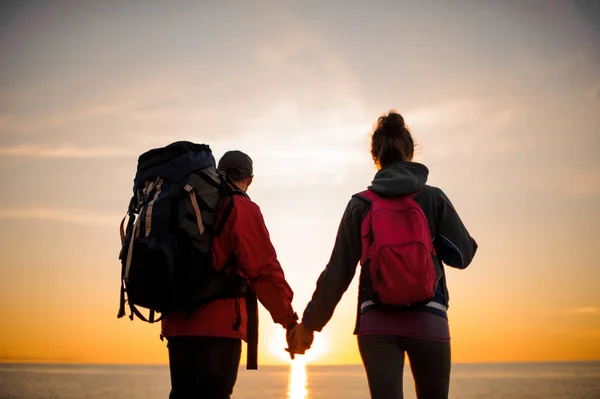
453	244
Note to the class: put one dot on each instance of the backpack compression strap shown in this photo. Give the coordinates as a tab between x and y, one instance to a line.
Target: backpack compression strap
192	193
135	231
150	319
124	234
133	226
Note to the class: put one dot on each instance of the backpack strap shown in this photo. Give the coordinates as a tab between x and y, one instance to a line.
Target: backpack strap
252	314
367	195
228	188
126	234
224	215
150	319
370	196
127	239
121	311
366	234
252	330
192	193
135	231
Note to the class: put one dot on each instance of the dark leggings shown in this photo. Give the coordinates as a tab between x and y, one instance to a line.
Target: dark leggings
383	358
203	367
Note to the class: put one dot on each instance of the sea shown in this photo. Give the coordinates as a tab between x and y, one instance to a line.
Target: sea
300	381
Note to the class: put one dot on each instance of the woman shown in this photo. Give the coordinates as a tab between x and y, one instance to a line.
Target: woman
386	333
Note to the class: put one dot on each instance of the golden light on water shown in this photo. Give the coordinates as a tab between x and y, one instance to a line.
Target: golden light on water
298	383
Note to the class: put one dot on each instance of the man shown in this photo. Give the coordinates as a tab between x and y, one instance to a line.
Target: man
204	349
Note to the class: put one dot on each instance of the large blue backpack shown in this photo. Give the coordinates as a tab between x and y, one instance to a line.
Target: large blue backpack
166	245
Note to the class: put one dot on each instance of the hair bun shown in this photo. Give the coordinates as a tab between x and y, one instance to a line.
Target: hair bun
393	122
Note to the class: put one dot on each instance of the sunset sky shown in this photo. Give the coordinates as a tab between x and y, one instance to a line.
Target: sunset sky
502	97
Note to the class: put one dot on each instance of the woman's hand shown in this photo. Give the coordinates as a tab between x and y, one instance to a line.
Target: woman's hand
299	340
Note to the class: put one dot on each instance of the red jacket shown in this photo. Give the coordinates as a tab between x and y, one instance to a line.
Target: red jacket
246	235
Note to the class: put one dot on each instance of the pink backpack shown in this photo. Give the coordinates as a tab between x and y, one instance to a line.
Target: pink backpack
395	237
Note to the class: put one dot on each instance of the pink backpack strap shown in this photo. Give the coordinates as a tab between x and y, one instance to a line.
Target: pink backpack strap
366	235
367	195
371	196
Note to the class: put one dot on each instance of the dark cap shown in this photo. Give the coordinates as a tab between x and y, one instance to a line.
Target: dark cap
236	165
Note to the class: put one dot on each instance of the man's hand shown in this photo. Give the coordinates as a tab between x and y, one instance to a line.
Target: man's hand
299	340
289	337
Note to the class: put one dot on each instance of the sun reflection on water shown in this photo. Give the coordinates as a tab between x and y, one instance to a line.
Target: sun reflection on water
298	384
297	380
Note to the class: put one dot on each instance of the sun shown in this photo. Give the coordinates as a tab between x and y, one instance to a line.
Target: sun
278	344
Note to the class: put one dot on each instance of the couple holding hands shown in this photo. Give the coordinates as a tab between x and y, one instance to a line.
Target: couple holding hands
402	232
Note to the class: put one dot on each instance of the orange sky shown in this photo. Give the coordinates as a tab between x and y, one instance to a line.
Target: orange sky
503	99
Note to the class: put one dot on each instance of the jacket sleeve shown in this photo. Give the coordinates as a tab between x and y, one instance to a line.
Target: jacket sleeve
453	243
340	270
257	259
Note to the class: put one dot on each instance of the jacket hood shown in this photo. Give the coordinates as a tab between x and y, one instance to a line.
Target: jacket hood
399	179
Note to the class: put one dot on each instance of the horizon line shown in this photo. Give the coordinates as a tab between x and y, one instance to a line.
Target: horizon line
66	363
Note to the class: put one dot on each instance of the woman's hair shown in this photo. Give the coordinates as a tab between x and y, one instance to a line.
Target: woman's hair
391	140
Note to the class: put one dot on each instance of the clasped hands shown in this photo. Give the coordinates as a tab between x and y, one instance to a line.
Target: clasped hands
299	340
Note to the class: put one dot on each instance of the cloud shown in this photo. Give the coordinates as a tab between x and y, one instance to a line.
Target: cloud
462	114
463	128
64	151
64	117
302	63
473	134
596	92
134	112
585	310
87	217
294	145
4	120
198	102
590	12
573	332
314	124
578	180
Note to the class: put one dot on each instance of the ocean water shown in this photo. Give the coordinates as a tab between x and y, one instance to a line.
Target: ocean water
298	381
